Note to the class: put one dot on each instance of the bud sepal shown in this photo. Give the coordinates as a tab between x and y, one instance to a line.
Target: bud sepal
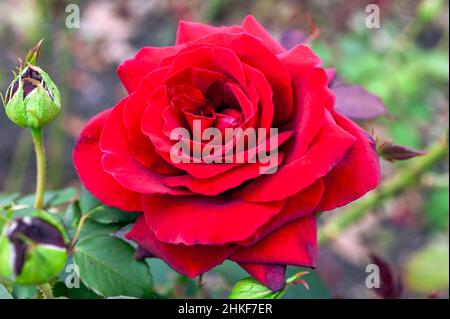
32	100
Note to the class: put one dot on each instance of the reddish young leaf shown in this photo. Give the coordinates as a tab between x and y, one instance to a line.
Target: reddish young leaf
390	286
357	103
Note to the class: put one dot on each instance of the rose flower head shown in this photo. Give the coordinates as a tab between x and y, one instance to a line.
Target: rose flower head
207	196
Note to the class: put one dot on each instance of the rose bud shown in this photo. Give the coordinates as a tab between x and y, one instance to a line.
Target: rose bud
33	249
32	100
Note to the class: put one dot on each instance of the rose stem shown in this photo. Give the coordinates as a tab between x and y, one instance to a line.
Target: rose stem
405	178
40	166
38	140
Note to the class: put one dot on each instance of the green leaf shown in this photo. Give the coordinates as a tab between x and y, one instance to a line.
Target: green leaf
63	196
102	213
4	294
72	215
51	198
82	292
427	270
24	292
7	199
91	228
249	288
87	201
108	267
109	215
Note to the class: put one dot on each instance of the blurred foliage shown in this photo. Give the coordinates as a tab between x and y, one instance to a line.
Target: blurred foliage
427	269
437	209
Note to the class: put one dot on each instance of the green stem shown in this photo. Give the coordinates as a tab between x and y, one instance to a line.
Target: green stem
40	166
46	290
406	177
78	231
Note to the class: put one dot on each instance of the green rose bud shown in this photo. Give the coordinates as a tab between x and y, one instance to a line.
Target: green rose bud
33	248
32	100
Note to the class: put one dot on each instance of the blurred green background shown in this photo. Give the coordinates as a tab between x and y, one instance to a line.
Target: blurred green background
405	62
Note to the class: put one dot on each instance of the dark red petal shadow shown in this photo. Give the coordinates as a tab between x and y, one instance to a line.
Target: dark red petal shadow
271	276
187	260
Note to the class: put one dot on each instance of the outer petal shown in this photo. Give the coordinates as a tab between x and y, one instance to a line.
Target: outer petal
87	160
311	93
300	58
145	61
190	31
271	276
298	206
356	174
294	244
253	27
326	151
118	161
192	220
188	260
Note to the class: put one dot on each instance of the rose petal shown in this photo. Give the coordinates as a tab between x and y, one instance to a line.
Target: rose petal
230	179
187	260
152	126
141	146
302	172
253	27
199	78
189	31
271	276
87	160
298	206
311	95
193	220
357	173
145	61
251	51
118	161
299	58
293	244
257	80
213	58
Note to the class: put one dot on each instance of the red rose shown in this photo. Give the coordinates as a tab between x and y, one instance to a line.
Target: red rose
196	215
